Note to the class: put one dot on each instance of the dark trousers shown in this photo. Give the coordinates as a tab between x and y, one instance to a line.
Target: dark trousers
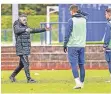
24	63
76	56
108	59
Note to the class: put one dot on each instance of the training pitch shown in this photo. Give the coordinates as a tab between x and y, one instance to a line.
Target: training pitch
56	81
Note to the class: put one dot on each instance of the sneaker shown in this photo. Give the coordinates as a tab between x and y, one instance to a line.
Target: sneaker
82	84
12	79
78	83
77	87
31	81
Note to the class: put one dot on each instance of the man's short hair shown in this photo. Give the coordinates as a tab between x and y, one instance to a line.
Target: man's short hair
73	7
22	15
108	10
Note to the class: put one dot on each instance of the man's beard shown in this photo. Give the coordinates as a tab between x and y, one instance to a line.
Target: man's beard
24	23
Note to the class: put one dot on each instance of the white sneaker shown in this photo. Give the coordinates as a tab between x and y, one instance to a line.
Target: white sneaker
77	87
82	84
78	84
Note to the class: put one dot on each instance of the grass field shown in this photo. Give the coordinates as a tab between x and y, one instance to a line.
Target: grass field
56	81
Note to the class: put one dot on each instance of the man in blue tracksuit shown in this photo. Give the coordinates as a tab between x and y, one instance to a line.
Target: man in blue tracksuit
107	40
75	41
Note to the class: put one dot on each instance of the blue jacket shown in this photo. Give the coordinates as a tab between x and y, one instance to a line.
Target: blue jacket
107	36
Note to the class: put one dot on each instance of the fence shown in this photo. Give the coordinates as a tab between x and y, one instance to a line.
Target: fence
6	35
57	33
95	31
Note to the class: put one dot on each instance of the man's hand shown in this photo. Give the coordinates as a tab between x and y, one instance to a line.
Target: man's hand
47	29
28	30
65	49
104	49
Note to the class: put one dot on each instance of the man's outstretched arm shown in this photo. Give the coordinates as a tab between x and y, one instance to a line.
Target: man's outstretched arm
39	30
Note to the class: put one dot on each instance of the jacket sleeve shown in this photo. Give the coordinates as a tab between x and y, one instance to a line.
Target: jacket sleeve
109	24
83	13
18	29
107	37
38	30
68	32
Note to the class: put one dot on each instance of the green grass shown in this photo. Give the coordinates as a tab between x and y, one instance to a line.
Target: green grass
7	37
95	42
56	81
33	21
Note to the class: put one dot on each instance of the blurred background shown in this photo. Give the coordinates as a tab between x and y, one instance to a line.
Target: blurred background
36	14
55	16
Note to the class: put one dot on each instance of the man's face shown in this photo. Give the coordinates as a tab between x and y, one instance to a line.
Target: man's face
73	11
23	20
107	15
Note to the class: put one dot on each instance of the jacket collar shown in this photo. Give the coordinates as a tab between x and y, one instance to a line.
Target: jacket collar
77	15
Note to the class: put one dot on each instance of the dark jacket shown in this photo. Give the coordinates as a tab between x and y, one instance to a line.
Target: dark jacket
107	38
22	37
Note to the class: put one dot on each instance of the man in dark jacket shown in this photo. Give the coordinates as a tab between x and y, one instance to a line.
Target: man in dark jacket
107	40
23	45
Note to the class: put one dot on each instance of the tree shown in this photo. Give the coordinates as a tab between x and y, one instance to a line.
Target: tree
30	9
6	9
